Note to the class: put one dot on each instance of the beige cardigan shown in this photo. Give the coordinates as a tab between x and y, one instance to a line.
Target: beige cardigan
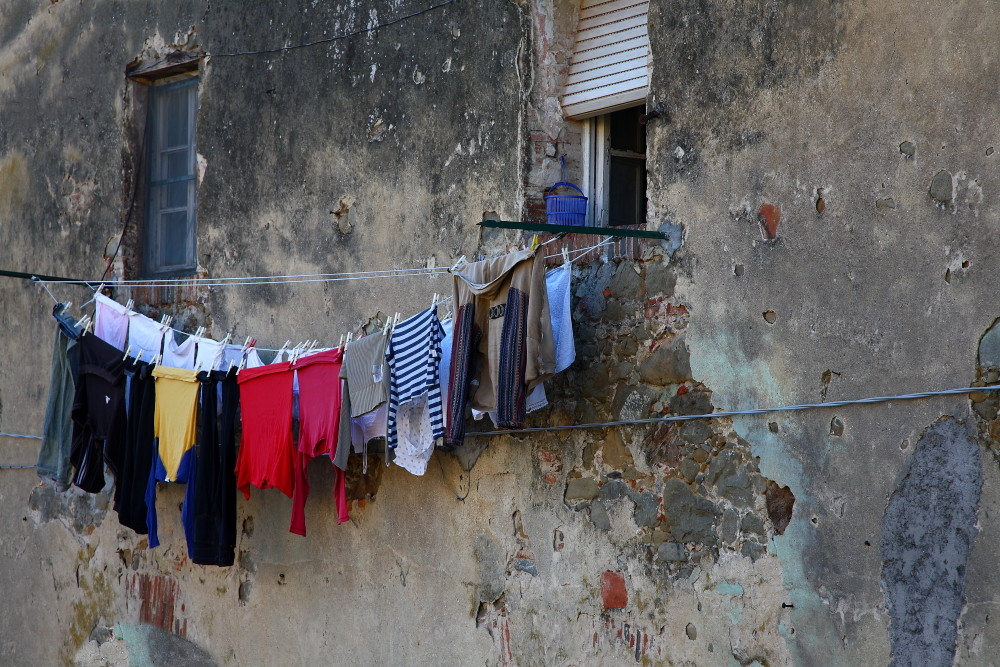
503	344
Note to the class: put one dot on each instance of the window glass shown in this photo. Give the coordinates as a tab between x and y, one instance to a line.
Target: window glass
626	168
169	240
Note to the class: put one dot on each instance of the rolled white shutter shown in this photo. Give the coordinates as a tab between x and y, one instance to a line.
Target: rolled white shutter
609	69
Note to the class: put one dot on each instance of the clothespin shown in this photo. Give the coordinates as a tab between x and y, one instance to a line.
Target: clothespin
565	255
64	307
199	332
138	356
341	343
461	260
129	304
96	292
128	351
229	337
156	359
350	337
83	322
534	242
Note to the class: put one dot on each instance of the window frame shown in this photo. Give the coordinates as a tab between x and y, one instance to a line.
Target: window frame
153	263
597	153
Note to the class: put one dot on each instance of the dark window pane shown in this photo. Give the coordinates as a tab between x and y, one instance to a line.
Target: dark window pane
626	191
175	195
174	235
626	132
177	164
175	117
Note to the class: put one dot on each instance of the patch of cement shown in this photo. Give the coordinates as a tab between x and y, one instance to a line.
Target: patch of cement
927	534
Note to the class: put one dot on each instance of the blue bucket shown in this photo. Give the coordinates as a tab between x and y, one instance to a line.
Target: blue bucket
566	209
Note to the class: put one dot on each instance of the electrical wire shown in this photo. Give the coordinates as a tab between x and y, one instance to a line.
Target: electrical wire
740	413
710	415
334	38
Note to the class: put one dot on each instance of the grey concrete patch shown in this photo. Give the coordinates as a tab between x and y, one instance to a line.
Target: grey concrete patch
170	650
927	534
989	347
670	364
691	518
599	516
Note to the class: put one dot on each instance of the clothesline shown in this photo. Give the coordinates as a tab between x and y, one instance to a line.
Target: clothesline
317	277
300	277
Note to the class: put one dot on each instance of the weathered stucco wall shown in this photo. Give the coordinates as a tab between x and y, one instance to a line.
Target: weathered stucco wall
858	535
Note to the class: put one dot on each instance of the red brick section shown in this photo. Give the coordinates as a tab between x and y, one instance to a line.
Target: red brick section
614	595
770	215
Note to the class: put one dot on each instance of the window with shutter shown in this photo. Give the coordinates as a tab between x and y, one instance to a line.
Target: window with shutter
609	69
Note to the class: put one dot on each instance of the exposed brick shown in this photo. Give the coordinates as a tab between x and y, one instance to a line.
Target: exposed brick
614	595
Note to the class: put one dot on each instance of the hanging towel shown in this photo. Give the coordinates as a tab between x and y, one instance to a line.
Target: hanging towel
557	287
110	321
415	420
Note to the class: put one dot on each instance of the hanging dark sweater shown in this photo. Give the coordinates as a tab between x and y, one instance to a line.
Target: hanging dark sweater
98	414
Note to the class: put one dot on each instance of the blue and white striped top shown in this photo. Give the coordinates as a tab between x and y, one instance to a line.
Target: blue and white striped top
413	356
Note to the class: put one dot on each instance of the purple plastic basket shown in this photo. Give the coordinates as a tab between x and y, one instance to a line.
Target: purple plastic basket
566	209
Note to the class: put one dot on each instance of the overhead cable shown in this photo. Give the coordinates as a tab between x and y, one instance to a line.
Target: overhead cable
334	38
714	415
739	413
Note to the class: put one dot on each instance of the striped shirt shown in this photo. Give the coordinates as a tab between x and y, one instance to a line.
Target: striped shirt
413	356
364	368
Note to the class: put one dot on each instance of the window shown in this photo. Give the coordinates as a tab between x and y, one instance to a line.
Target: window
170	229
606	88
615	168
